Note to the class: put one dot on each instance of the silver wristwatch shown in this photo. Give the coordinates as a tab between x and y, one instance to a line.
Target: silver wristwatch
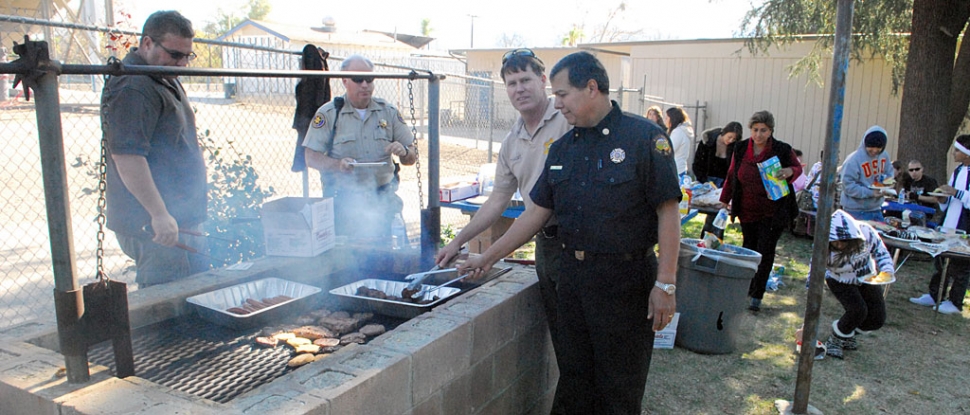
670	289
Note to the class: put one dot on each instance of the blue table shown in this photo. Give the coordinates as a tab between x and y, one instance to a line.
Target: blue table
511	212
890	206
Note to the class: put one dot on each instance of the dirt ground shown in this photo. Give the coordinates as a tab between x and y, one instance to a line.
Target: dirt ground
916	364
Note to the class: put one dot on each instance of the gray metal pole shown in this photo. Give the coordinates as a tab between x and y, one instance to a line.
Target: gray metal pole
434	157
491	117
54	168
833	133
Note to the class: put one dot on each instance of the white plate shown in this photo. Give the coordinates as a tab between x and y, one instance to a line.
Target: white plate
886	189
371	164
891	280
898	239
936	194
926	233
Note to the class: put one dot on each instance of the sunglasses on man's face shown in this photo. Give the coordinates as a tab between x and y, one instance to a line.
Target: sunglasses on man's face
916	169
360	80
528	53
176	55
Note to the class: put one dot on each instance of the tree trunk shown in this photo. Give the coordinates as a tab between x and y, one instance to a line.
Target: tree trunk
928	84
960	94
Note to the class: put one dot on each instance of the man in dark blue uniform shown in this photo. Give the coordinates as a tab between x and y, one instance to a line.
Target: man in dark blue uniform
612	183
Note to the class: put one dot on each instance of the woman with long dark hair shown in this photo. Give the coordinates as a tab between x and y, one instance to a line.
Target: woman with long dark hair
762	219
681	135
311	93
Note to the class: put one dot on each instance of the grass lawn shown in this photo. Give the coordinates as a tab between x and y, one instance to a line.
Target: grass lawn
916	364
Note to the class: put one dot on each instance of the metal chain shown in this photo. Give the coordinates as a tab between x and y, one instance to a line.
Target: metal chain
102	187
414	132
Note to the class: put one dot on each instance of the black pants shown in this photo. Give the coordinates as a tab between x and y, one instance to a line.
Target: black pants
865	309
548	268
606	338
958	274
761	237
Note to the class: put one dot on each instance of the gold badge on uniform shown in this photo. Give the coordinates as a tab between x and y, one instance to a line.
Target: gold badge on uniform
382	123
663	146
617	155
318	121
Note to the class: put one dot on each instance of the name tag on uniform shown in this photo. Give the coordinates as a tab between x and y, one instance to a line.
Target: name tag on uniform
555	167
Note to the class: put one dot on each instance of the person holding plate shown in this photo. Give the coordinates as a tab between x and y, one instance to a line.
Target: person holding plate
763	219
955	216
350	141
864	175
858	265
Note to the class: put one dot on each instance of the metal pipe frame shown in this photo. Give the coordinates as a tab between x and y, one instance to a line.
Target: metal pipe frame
833	134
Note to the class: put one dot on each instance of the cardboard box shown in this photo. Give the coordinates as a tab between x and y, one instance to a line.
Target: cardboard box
294	226
664	339
453	192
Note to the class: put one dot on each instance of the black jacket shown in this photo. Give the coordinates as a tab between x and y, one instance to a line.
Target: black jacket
706	164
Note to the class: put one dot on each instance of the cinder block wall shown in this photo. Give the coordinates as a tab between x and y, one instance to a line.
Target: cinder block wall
485	352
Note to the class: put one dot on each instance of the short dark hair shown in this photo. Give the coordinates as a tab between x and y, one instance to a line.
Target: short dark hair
521	63
582	67
166	22
733	127
762	117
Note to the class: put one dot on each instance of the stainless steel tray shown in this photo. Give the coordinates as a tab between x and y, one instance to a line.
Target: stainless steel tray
212	305
348	298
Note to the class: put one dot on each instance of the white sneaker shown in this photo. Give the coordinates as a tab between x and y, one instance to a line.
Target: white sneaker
947	307
924	300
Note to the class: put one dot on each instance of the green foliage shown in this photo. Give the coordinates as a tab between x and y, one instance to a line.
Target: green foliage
236	234
447	235
881	28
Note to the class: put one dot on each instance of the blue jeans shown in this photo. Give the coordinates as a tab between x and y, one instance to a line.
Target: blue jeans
875	215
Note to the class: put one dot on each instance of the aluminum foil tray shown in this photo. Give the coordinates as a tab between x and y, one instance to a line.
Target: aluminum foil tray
402	309
212	305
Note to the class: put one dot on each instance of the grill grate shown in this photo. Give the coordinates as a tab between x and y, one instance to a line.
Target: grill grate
208	361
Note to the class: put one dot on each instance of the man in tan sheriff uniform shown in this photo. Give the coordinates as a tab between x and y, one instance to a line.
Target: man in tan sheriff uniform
368	131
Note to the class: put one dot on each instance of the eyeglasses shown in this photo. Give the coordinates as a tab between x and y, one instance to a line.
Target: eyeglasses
916	169
359	80
528	53
176	54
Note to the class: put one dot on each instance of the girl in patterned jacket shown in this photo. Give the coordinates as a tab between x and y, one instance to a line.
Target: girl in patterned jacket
857	261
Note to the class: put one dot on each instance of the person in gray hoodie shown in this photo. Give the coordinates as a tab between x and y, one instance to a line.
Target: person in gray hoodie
858	262
868	166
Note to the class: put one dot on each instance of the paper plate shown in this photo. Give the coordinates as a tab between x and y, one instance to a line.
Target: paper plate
891	280
936	194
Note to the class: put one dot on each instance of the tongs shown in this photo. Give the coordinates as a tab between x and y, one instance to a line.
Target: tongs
425	290
418	278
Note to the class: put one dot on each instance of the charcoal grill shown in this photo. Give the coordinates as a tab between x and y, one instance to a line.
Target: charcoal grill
208	361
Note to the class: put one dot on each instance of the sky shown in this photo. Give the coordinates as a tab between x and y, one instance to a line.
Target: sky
539	23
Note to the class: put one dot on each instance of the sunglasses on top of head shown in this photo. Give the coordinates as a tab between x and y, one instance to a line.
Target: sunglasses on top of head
527	53
361	79
176	54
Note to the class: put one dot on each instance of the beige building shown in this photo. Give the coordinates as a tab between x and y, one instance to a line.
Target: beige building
718	80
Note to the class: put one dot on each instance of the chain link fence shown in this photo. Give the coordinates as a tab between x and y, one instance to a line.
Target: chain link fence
241	118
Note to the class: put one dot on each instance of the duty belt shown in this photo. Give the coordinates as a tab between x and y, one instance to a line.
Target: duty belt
611	256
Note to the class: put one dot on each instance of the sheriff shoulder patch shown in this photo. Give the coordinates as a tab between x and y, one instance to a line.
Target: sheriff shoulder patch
400	118
663	146
318	121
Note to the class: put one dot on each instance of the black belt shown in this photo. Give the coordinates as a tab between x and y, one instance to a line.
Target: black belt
550	232
610	256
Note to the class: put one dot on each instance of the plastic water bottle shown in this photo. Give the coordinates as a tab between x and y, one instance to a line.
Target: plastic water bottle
720	221
902	196
399	234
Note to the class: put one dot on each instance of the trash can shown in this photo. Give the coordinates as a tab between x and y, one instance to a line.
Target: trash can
712	291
